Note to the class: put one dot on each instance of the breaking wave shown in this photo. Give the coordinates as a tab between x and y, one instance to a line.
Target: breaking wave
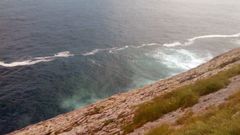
36	60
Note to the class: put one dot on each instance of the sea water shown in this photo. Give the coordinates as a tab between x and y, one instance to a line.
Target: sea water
59	55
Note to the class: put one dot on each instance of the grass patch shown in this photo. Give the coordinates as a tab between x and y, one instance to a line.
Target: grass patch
223	120
162	130
182	97
184	118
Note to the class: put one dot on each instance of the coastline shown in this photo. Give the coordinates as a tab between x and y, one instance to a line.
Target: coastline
107	116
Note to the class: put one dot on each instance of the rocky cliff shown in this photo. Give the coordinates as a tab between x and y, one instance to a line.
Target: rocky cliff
108	116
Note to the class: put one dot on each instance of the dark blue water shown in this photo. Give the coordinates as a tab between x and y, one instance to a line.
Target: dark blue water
59	55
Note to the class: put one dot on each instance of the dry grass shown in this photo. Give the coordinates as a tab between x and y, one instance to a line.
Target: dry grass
182	97
223	120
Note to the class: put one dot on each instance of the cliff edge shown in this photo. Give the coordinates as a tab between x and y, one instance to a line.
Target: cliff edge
109	116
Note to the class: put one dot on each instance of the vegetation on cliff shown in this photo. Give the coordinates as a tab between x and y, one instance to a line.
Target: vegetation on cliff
182	97
222	120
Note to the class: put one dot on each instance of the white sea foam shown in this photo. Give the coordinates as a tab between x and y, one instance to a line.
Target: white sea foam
36	60
180	59
63	54
172	44
116	49
112	50
192	40
91	52
146	45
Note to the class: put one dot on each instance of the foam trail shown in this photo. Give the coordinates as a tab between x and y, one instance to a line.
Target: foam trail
174	44
116	49
192	40
122	48
93	52
146	45
36	60
112	50
133	46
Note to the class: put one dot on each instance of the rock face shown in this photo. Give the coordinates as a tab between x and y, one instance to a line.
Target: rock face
107	117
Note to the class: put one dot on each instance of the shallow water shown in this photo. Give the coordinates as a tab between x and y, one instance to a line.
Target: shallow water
58	55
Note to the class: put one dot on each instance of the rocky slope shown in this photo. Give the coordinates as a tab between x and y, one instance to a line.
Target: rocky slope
107	117
205	103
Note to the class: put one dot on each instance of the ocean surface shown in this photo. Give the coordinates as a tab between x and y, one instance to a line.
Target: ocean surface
59	55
